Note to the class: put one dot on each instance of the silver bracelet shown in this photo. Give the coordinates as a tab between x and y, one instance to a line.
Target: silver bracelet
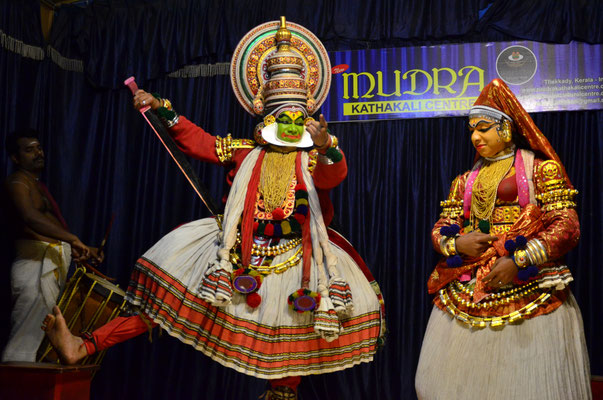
323	159
173	121
536	252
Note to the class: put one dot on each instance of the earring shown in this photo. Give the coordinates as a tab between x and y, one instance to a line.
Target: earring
505	131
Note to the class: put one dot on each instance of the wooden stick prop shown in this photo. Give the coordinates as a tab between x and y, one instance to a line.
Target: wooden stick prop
175	152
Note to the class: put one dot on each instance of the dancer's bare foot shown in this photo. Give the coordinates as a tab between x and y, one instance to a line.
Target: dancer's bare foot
71	348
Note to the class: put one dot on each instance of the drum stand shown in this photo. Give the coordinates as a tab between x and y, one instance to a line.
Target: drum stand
26	381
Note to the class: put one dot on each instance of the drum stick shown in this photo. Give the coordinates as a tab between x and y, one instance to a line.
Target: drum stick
95	271
104	241
174	151
90	265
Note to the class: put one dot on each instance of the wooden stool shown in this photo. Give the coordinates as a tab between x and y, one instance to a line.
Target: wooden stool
42	381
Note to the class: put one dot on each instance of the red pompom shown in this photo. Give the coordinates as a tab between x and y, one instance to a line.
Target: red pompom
278	214
300	218
254	299
300	186
255	226
269	230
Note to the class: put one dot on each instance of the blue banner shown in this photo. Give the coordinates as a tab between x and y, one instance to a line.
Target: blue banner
445	80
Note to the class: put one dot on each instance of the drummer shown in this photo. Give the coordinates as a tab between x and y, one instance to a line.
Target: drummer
44	246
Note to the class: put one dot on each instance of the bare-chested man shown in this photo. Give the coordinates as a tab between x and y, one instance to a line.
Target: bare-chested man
44	247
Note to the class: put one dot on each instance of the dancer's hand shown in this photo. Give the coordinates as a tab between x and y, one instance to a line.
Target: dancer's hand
143	99
319	133
503	272
474	243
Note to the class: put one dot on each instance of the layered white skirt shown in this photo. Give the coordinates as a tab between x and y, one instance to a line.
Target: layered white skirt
543	358
270	341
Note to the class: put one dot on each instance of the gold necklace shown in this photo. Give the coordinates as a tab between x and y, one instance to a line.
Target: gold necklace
277	172
485	187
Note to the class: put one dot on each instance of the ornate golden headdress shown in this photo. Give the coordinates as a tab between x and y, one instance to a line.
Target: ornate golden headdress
280	66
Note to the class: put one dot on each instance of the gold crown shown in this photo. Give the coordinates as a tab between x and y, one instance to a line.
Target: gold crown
286	84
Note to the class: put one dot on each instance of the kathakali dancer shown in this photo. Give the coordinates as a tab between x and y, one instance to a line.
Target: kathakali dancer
267	289
505	324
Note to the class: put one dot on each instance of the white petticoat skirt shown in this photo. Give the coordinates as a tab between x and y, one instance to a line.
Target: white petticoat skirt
270	341
542	358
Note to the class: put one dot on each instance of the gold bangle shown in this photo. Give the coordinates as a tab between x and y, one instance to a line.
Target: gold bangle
450	246
334	141
443	246
166	103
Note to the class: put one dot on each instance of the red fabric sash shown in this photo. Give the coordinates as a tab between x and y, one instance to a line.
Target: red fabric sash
55	207
248	211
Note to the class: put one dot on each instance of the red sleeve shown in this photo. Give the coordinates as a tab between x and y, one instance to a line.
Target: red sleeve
562	232
327	176
194	141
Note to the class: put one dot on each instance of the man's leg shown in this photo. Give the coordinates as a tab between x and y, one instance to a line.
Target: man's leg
73	348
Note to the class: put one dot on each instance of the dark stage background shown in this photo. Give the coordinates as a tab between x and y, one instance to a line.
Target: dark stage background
102	159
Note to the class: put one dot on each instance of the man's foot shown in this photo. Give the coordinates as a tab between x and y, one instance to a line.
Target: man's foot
71	348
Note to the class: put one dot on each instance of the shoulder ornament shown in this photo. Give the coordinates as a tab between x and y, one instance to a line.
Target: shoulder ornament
226	146
453	206
553	191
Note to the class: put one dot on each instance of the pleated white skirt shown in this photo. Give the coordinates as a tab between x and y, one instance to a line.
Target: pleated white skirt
543	358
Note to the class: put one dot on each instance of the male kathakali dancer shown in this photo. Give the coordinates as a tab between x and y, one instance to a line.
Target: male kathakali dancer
266	289
505	324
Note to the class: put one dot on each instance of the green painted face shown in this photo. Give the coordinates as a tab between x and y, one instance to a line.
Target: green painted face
290	126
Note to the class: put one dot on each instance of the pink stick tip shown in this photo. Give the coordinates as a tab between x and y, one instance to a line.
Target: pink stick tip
131	83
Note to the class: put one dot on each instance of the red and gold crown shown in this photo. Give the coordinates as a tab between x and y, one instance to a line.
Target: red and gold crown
497	101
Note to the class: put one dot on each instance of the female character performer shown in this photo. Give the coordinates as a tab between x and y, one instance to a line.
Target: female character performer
266	289
505	324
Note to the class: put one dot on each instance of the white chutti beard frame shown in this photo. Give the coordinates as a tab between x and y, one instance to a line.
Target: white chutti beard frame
269	135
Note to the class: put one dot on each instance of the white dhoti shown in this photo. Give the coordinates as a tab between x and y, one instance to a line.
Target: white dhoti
37	277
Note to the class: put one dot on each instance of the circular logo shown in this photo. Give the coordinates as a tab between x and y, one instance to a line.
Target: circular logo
516	65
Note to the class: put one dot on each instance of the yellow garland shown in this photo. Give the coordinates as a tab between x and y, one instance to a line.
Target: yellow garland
277	172
485	187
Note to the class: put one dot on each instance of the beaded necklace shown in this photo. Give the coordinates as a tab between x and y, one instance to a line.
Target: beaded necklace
277	172
485	188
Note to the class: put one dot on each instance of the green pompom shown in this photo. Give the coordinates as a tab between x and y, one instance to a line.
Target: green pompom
466	223
484	226
301	194
168	115
295	226
261	227
334	155
157	96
